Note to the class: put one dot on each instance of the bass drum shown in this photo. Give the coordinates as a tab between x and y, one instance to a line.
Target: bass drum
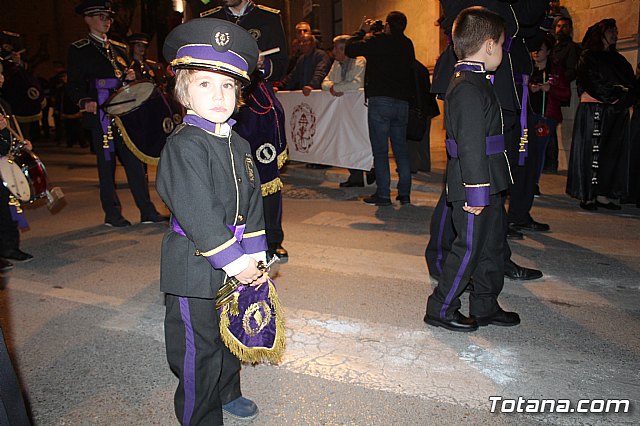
144	117
24	175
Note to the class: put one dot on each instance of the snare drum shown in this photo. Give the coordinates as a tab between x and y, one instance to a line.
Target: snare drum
144	117
24	175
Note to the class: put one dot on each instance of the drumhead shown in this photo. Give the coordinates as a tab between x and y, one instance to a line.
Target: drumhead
14	180
128	98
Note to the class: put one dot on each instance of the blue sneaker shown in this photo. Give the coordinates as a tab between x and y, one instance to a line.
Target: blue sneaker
241	409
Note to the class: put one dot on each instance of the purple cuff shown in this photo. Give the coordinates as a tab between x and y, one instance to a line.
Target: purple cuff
255	244
226	256
477	196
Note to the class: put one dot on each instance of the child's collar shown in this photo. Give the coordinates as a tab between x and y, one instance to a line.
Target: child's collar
472	66
218	129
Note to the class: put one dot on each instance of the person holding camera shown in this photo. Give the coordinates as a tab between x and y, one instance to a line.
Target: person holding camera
389	84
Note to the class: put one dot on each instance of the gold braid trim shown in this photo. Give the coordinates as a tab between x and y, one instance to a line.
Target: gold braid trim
271	187
283	157
255	355
133	148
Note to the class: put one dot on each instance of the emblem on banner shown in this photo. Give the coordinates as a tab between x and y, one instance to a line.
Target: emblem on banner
303	127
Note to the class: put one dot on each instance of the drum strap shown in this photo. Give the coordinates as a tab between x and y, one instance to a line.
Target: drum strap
104	86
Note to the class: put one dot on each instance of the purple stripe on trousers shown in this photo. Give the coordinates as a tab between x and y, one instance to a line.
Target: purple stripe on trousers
443	220
189	368
463	266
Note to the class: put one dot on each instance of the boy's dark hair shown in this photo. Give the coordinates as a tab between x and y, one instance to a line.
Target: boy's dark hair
472	27
397	22
593	37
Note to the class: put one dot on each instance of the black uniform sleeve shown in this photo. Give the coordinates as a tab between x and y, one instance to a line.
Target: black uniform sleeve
276	38
77	84
467	115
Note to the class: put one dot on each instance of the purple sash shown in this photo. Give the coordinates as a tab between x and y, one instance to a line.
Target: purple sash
104	87
495	145
523	79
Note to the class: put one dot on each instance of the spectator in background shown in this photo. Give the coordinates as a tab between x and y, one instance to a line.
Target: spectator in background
598	165
389	85
346	74
310	69
565	54
549	89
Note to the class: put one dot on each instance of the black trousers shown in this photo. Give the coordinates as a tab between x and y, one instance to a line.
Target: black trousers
477	251
208	373
272	206
443	234
9	234
522	191
12	407
134	170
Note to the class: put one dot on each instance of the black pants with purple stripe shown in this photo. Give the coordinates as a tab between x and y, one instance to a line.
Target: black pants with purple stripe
442	234
477	251
208	373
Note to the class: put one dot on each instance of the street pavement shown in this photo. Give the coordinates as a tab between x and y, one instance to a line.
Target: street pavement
84	318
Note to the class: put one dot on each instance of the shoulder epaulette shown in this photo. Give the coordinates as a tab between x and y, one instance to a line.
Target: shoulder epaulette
151	62
117	43
80	43
210	11
179	128
268	9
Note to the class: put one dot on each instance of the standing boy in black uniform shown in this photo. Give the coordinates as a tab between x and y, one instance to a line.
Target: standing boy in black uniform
97	67
261	120
209	181
477	179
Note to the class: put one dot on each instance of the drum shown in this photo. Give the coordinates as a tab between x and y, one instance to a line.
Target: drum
144	117
24	175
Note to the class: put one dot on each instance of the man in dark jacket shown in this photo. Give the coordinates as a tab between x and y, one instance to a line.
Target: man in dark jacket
310	69
389	84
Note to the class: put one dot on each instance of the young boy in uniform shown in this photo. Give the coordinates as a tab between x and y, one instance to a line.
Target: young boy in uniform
207	178
477	177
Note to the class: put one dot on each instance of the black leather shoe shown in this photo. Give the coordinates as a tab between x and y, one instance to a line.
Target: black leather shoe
517	272
404	199
155	218
532	226
501	318
457	322
590	207
16	255
609	206
513	234
351	184
378	201
119	222
5	265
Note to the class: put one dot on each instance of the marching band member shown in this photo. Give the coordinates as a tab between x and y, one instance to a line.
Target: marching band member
96	67
9	232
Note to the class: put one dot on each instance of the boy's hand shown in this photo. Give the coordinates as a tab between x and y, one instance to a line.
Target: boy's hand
251	274
472	210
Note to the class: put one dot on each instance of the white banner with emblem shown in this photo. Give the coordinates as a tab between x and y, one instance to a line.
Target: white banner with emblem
325	129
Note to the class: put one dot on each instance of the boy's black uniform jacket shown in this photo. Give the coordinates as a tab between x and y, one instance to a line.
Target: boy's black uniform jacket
472	112
197	177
